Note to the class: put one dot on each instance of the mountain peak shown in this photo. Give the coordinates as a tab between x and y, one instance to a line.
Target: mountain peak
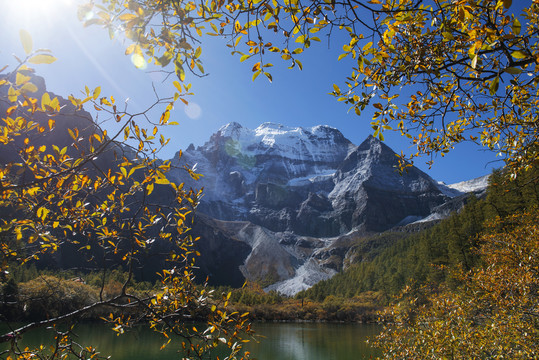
231	129
320	142
370	142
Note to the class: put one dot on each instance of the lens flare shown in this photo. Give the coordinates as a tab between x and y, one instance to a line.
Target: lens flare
139	62
193	110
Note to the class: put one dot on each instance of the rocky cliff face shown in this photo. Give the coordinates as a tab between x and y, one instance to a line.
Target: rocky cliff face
311	182
287	199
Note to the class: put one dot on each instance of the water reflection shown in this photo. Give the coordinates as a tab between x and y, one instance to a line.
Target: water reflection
283	341
314	341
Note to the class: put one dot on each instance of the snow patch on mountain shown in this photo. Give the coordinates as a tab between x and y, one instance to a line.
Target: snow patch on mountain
464	187
305	277
312	178
477	184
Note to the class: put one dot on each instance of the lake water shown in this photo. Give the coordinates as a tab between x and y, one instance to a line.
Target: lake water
283	341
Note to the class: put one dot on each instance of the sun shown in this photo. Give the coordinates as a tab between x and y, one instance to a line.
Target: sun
30	14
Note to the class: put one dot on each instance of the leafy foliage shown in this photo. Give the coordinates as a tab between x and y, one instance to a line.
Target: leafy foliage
494	314
68	186
468	67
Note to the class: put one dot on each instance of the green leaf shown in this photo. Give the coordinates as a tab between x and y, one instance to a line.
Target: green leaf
448	36
200	67
512	70
494	85
519	55
516	26
26	41
42	59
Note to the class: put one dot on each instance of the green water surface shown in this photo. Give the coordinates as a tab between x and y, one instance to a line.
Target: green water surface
283	341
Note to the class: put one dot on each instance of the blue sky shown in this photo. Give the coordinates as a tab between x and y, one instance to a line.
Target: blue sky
86	56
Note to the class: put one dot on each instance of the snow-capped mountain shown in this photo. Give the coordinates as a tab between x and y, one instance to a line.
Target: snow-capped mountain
288	194
310	181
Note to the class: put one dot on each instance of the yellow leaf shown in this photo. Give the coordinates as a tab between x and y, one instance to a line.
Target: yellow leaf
45	100
97	91
42	213
18	233
127	17
255	75
474	61
162	181
12	94
29	87
180	72
26	41
130	49
21	79
165	116
42	59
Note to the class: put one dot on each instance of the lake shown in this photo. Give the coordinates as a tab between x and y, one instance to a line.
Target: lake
283	341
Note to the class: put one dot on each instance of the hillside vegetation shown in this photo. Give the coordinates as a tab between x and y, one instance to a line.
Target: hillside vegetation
425	257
